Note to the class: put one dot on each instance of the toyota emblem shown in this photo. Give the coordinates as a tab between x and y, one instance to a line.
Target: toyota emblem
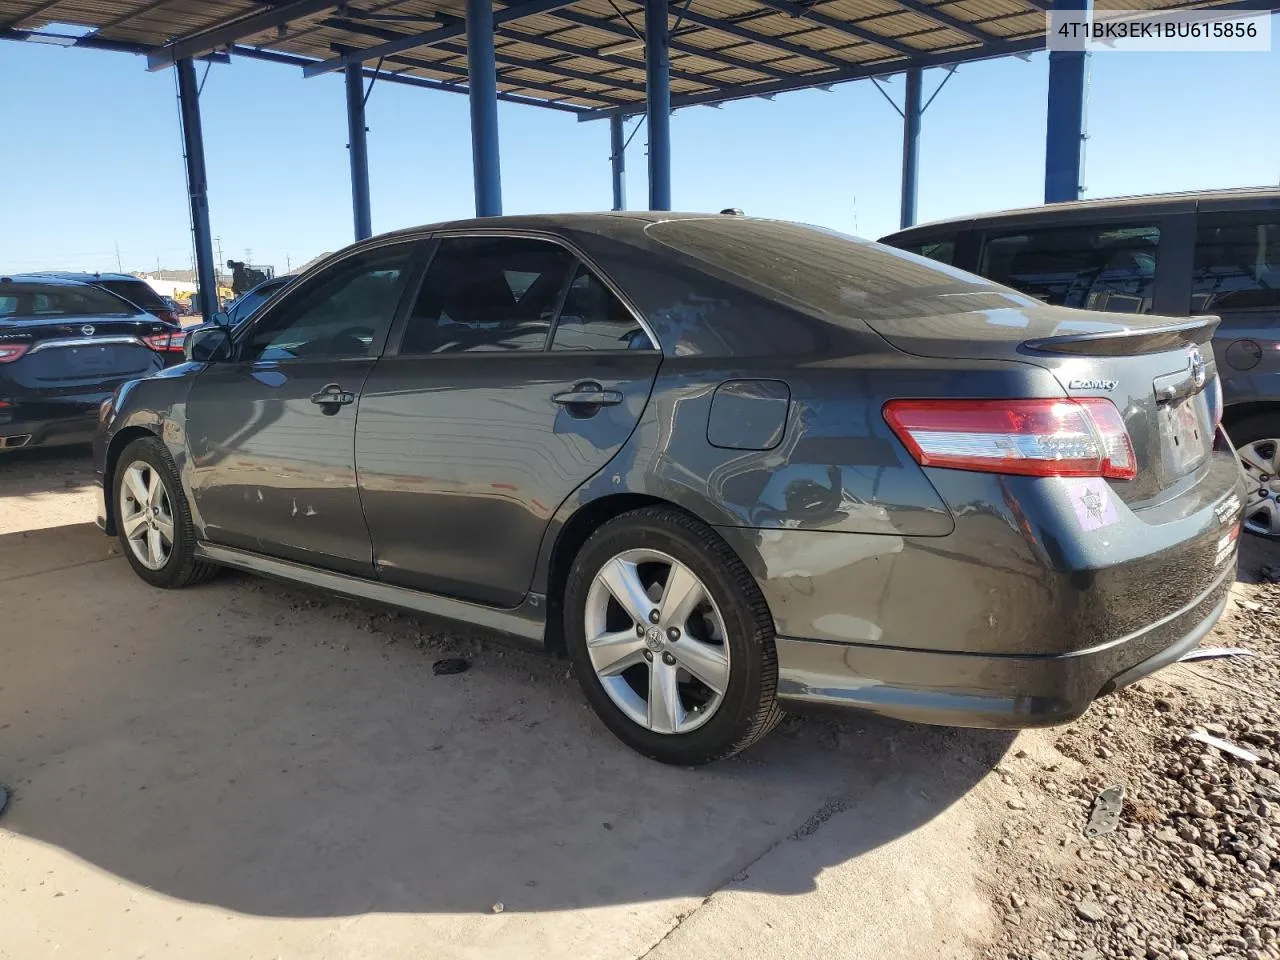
87	329
1195	361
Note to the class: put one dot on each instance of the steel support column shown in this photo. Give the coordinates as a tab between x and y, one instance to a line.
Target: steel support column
618	161
657	62
358	144
482	91
1065	120
197	188
911	111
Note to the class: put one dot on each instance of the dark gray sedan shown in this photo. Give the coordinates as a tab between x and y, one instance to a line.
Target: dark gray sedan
726	465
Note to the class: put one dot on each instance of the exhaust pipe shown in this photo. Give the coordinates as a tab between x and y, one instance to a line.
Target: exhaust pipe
12	443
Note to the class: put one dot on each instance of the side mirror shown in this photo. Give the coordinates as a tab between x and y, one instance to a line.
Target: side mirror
208	343
221	319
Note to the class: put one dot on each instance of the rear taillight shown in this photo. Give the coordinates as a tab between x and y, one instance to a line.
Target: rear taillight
166	342
10	352
1039	438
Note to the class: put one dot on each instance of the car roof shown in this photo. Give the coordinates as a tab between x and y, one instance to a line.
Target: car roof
47	279
553	222
86	277
1235	196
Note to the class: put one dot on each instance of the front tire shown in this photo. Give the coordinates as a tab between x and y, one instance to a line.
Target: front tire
1257	443
671	638
153	519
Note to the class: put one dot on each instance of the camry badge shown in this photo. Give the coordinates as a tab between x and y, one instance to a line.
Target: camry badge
1107	385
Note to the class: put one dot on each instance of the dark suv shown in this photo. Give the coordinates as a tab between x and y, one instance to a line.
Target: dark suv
1216	252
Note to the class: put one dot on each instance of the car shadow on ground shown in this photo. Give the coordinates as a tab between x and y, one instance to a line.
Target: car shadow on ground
282	753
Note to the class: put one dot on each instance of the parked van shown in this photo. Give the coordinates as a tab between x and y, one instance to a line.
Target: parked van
1215	252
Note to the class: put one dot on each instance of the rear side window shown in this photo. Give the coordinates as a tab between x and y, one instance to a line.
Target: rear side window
135	291
1098	267
944	251
488	294
1237	265
592	318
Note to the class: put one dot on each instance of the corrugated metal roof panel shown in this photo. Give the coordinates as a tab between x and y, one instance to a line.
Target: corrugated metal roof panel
592	46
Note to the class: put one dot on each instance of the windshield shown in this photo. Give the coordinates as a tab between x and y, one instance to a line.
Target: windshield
836	274
34	300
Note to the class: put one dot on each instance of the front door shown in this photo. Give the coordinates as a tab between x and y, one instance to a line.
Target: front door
272	434
518	376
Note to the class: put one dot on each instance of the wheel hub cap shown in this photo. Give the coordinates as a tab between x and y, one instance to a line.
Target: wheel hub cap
146	515
637	602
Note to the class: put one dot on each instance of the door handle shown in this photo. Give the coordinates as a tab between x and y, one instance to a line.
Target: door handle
331	396
588	394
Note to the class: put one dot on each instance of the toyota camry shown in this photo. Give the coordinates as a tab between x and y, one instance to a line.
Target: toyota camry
728	466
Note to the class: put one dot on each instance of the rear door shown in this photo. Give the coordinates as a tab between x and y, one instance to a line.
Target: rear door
518	375
272	434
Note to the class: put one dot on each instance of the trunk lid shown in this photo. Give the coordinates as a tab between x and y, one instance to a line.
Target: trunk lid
1158	371
74	356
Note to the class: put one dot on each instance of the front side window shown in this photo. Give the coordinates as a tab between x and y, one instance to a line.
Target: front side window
485	294
343	312
944	251
592	318
1100	267
1237	264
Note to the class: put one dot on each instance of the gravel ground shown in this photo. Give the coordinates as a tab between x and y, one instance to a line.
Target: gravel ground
1192	870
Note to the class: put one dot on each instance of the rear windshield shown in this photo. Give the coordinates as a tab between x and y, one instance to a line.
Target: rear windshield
135	291
37	300
831	272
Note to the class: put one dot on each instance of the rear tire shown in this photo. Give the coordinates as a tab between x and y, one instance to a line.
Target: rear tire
153	518
698	683
1256	439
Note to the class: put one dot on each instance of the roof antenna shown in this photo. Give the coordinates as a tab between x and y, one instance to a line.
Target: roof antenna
732	212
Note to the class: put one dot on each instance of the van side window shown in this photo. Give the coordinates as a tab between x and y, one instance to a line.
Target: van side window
1104	267
1237	265
944	251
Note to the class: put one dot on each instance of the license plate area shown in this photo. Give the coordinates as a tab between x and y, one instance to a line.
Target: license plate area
1185	434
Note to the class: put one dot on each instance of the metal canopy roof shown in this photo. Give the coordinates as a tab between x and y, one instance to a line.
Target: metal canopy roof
585	56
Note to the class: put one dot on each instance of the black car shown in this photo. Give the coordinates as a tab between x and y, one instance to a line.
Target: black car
1178	254
64	346
135	290
727	465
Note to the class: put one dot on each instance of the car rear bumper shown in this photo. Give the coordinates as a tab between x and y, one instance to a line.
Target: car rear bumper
1022	616
48	424
999	691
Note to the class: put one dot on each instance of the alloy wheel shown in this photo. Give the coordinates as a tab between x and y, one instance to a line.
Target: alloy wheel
1260	460
146	514
657	641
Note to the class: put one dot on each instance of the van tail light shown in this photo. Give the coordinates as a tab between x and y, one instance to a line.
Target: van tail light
1039	438
166	342
10	352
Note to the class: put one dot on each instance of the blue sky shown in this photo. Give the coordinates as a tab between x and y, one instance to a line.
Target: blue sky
91	155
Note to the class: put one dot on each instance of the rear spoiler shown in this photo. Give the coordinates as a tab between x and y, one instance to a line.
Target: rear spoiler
1112	343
